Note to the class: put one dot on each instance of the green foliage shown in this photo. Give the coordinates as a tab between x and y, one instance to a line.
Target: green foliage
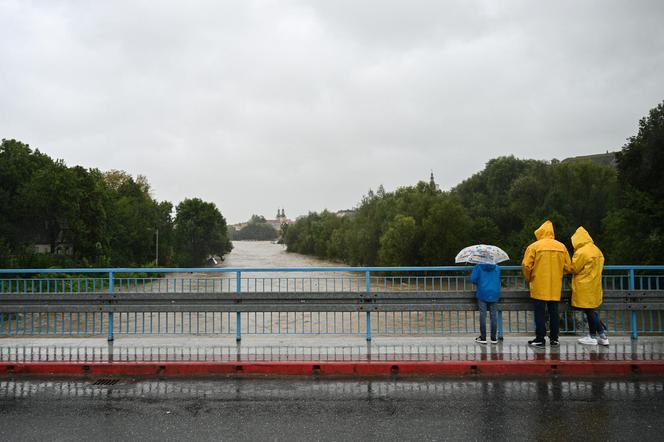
641	159
257	229
502	205
635	230
106	219
398	243
134	217
411	226
510	198
311	234
200	232
447	229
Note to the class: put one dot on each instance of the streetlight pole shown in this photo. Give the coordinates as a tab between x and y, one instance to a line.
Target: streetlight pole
156	255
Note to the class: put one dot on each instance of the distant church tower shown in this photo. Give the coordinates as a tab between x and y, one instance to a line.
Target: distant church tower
432	182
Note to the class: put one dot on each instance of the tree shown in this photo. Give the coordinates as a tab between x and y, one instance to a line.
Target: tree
200	231
641	159
634	231
106	218
503	204
134	216
18	164
257	229
397	245
446	230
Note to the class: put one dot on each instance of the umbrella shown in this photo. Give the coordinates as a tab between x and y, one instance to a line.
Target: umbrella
481	254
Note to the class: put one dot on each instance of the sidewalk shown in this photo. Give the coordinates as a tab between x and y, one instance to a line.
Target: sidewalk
325	355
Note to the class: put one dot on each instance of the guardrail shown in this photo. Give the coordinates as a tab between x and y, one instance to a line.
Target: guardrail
325	300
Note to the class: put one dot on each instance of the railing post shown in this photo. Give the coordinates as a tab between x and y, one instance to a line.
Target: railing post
110	314
367	283
238	319
631	286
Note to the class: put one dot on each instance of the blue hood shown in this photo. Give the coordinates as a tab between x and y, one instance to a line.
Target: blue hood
487	279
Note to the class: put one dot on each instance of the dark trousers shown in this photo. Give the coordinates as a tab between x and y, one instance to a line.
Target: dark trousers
594	325
540	321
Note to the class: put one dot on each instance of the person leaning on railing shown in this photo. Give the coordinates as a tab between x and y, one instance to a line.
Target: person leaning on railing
487	279
587	265
544	263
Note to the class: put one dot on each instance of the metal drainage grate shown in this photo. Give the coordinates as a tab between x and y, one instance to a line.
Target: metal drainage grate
106	381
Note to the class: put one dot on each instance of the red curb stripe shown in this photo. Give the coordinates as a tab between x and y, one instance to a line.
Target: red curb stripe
334	368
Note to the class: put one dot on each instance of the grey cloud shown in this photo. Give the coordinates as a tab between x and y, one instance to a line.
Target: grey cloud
306	104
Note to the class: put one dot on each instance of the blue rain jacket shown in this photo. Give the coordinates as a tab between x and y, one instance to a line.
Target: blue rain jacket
487	279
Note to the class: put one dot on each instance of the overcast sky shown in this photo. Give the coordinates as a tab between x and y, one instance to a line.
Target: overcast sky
305	105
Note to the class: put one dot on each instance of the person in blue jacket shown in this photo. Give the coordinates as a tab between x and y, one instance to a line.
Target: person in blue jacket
487	279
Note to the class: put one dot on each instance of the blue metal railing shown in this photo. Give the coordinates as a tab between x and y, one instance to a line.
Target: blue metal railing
274	280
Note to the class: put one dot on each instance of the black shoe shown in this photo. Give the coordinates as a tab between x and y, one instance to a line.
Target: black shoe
554	342
536	343
494	340
480	340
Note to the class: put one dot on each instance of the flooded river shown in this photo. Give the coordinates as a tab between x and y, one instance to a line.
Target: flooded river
266	254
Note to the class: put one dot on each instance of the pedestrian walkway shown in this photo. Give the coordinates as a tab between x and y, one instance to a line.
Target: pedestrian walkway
348	356
333	349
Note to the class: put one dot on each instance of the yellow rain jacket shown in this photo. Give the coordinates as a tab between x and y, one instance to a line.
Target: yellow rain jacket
587	265
544	263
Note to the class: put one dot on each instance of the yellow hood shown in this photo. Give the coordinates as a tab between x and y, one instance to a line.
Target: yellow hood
580	238
545	231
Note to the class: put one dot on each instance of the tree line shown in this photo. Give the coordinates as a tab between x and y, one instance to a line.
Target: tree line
257	229
622	206
55	215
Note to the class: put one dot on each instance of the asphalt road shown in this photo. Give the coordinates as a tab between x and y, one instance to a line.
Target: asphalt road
324	409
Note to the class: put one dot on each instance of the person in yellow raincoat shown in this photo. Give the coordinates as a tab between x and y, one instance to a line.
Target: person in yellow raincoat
544	263
587	265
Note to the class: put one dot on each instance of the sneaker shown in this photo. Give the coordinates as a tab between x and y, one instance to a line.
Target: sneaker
603	341
495	340
536	343
554	342
587	340
480	340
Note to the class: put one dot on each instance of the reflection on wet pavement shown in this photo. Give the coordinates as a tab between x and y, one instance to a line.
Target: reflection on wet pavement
349	348
257	389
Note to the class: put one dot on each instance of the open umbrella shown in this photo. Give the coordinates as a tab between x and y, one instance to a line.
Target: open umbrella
481	254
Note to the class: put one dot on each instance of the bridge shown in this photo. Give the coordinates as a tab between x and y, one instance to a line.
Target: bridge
367	301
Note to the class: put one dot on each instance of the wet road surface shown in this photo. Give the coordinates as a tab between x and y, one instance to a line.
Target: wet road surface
313	409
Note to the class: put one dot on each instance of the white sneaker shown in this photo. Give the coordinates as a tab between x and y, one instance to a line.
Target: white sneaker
603	341
587	340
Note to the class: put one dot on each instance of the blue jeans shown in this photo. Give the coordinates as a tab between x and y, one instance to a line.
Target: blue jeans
493	312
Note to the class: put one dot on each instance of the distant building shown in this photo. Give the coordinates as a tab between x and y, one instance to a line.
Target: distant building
432	182
43	245
279	220
342	213
608	158
276	223
239	226
41	248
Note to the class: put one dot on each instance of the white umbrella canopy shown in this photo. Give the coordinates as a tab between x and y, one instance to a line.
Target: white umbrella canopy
481	254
